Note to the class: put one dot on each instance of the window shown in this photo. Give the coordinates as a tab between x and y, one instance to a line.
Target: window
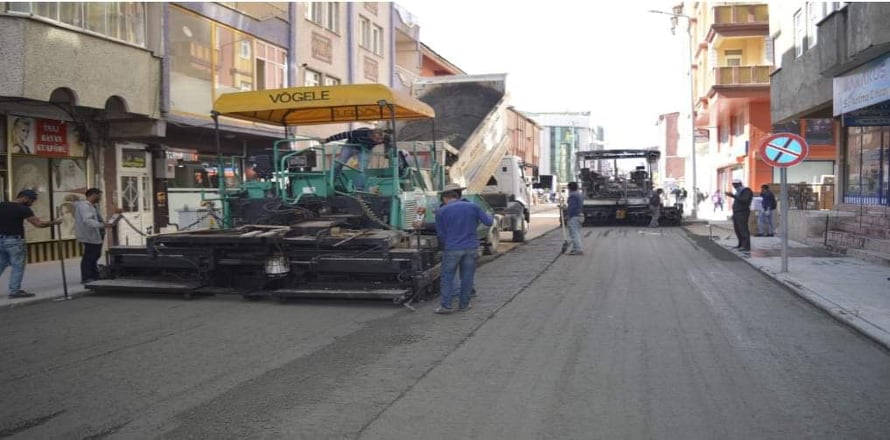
377	38
733	57
799	33
245	49
326	14
815	12
331	81
332	18
123	21
769	52
315	12
311	78
271	66
364	32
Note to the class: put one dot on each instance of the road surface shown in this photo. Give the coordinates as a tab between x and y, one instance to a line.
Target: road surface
648	335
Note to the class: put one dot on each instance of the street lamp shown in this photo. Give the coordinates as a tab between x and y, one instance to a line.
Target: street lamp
674	17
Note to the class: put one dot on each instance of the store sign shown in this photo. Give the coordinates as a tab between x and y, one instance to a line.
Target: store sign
865	86
52	138
872	116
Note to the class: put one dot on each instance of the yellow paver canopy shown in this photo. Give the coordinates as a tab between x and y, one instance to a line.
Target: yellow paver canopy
321	105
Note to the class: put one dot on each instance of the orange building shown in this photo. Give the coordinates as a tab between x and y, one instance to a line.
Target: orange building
732	60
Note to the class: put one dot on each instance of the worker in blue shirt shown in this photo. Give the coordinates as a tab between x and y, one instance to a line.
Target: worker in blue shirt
575	218
765	218
456	224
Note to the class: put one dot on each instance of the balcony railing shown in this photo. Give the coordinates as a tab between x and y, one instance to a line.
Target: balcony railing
741	14
741	75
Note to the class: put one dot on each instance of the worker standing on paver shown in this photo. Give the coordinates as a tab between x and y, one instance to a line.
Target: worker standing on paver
12	238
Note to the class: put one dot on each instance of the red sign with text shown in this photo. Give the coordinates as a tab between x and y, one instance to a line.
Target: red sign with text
52	138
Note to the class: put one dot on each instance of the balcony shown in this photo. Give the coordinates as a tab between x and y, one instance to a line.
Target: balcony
739	21
741	76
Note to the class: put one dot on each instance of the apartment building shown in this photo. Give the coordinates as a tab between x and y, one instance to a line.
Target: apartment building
731	62
563	134
79	87
119	95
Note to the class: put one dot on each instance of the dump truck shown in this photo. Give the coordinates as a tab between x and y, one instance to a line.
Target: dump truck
471	119
302	229
611	197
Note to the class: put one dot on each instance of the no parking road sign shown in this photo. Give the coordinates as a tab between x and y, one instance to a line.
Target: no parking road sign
784	150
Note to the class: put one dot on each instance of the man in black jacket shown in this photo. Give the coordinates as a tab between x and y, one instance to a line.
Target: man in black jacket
741	210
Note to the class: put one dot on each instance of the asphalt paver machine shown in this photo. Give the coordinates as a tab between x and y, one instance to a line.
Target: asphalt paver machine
611	197
302	230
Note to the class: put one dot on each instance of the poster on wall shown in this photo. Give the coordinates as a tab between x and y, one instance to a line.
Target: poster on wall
820	131
33	173
69	182
43	137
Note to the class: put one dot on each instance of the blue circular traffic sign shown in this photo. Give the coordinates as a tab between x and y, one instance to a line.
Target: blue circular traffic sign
784	150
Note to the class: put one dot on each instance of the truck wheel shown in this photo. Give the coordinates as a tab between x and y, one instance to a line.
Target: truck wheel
493	242
519	235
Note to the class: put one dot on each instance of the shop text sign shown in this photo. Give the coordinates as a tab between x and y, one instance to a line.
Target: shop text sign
865	86
51	139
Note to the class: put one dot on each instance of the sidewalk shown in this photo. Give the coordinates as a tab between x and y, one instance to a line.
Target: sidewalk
44	279
854	292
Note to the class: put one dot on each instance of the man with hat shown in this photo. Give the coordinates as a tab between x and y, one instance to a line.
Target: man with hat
12	238
456	224
741	210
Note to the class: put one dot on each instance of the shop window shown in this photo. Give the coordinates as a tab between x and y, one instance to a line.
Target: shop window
853	184
871	160
820	131
46	156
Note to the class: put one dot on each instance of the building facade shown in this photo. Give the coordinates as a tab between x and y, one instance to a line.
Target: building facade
562	135
80	83
832	83
731	62
671	172
119	96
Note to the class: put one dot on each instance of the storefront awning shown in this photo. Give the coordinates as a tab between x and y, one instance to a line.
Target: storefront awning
322	105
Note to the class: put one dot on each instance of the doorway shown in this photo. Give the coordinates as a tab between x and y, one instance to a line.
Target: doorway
133	194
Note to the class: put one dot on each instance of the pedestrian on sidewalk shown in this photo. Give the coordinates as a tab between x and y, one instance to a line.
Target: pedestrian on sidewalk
717	200
575	218
456	224
655	204
765	218
89	229
12	238
741	211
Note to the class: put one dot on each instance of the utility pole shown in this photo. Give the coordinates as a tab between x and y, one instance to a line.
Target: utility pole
674	17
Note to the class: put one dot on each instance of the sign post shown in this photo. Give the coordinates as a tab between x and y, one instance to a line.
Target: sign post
781	151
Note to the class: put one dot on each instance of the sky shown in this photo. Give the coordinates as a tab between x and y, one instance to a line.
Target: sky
612	58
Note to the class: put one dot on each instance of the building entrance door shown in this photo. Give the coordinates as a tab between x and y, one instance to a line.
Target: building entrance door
133	194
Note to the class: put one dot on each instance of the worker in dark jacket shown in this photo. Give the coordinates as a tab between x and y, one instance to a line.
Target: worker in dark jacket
767	207
359	142
741	210
456	225
13	251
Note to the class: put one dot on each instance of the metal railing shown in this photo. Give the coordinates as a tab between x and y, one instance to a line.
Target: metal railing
741	14
742	75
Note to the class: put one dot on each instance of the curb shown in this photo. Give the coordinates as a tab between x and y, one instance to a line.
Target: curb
45	299
838	313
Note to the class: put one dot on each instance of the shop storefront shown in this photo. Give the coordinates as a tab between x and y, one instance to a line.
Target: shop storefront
862	101
45	156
